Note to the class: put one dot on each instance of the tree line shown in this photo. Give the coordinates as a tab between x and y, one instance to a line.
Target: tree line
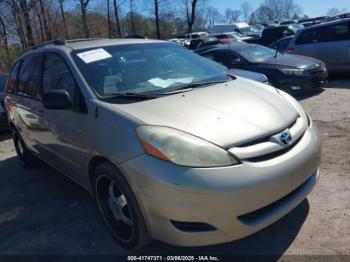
25	23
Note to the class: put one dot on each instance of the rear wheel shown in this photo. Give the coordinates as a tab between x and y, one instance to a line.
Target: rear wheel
119	208
26	157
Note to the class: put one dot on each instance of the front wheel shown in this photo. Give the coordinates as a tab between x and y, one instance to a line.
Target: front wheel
119	208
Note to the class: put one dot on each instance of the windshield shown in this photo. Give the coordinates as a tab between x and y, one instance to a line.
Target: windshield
148	68
256	53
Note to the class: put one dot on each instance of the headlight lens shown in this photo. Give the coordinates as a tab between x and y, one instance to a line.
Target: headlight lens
182	148
292	71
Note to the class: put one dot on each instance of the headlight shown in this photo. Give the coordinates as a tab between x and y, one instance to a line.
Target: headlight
296	72
182	148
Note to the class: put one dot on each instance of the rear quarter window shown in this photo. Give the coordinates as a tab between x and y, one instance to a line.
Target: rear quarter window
12	80
337	32
29	79
307	37
2	82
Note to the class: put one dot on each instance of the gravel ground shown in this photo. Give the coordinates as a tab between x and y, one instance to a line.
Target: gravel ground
44	213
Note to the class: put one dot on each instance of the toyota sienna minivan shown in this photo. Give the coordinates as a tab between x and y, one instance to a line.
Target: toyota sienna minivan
171	147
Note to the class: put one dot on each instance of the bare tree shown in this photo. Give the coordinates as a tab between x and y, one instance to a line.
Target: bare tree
116	14
190	11
156	15
61	2
213	16
335	11
109	20
44	18
4	34
232	16
277	10
132	20
83	8
246	10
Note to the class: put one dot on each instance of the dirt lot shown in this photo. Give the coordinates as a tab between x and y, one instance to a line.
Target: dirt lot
42	212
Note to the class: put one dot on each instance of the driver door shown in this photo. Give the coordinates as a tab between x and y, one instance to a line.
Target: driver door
64	138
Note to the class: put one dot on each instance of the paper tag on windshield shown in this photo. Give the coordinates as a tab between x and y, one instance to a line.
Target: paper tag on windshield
168	82
94	55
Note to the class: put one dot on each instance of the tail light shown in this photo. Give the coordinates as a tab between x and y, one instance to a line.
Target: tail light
290	50
8	104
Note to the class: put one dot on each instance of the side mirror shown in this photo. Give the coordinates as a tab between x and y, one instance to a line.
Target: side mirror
57	99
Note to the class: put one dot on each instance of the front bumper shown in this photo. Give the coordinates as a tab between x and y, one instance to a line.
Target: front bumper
235	201
307	84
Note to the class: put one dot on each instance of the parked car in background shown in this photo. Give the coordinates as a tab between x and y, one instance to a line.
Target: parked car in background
203	42
328	42
193	36
261	78
272	34
177	41
224	38
242	28
3	116
293	74
232	35
150	129
282	44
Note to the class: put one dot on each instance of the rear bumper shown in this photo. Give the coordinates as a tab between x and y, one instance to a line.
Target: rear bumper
232	201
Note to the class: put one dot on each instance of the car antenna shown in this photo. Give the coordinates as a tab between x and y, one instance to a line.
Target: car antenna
277	48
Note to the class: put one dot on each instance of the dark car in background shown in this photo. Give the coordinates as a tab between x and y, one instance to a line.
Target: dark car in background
329	42
3	117
293	74
272	34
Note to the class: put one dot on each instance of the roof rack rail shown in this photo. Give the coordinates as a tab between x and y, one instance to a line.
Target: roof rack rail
84	39
52	42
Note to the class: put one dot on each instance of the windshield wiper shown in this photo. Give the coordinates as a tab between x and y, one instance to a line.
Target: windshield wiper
200	84
130	95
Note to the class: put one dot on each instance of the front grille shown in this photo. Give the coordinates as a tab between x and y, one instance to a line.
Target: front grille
266	138
274	154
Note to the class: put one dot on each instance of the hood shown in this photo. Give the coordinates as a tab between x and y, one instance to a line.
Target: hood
227	114
248	74
293	61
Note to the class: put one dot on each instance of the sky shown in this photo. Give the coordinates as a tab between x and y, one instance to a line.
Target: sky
310	7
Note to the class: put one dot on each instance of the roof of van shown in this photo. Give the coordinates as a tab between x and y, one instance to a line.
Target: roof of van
92	43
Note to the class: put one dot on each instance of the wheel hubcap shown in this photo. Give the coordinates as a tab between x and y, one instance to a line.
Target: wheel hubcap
118	206
115	209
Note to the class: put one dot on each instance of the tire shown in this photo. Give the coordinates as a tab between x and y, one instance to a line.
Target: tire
25	156
119	208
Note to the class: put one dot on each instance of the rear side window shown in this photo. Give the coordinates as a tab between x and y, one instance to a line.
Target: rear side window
56	75
12	81
327	33
283	44
337	32
29	80
307	37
